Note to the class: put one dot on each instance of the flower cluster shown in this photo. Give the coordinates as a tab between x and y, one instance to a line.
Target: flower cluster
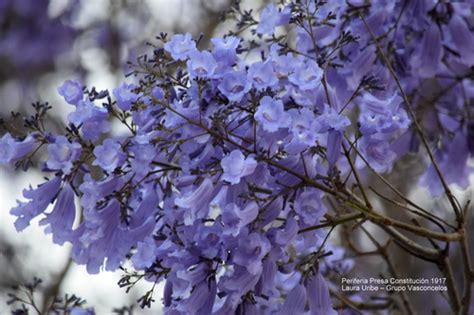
222	183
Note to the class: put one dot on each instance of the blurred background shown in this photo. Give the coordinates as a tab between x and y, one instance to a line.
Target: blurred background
42	44
45	42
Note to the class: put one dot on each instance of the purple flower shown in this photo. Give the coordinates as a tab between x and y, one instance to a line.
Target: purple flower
158	93
238	281
62	154
104	237
338	261
212	185
201	64
283	65
91	118
307	75
39	199
143	155
201	299
12	150
285	235
146	253
71	91
81	311
382	115
196	201
251	251
427	60
93	191
234	85
462	39
361	65
317	292
109	155
125	96
333	147
309	206
331	119
378	153
234	219
271	17
304	126
235	166
453	162
180	46
271	114
86	111
261	75
61	219
295	301
224	49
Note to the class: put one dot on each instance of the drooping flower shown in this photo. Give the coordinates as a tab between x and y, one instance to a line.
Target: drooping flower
462	39
234	218
104	239
251	251
271	17
377	153
146	253
39	199
331	119
295	301
309	206
235	166
333	147
180	46
94	191
81	311
453	164
109	155
202	298
317	292
62	154
271	115
224	49
382	115
234	85
201	64
196	201
12	150
428	59
361	65
91	118
71	91
59	222
303	127
285	235
307	75
158	93
262	75
125	96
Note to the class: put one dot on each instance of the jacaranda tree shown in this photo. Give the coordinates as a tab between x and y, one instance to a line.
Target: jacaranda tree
236	162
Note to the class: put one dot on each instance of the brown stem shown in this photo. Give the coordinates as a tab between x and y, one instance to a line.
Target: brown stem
373	216
334	221
454	300
53	291
382	250
468	272
418	128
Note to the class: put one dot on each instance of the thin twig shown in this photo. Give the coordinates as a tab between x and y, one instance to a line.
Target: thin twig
418	128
